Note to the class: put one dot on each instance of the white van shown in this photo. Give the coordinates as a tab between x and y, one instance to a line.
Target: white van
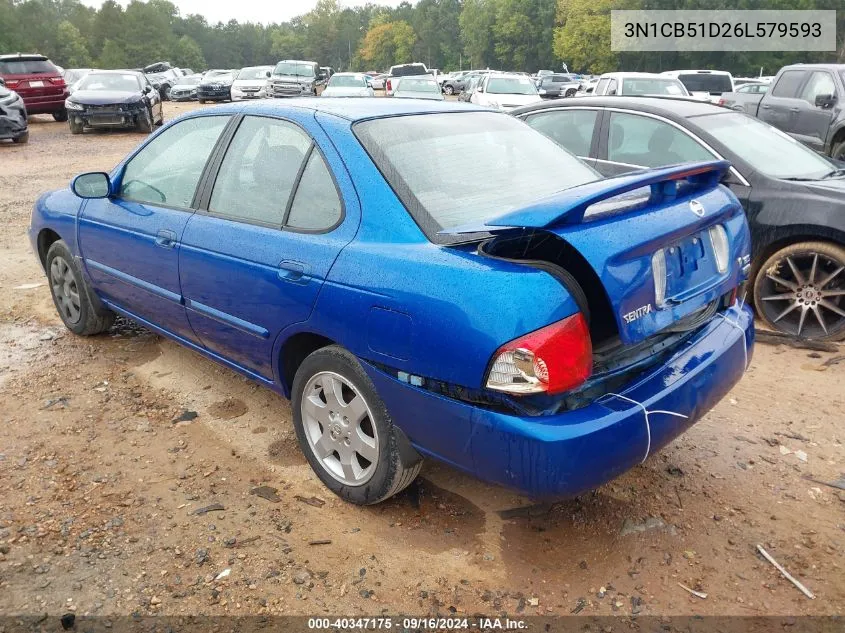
704	83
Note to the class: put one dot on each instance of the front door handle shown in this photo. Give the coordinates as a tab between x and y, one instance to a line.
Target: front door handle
166	238
293	271
794	109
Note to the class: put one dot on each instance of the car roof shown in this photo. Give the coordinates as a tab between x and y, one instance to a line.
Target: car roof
632	75
27	57
351	109
703	71
811	66
675	108
115	72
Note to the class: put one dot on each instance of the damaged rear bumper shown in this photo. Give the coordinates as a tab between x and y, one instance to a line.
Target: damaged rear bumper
568	453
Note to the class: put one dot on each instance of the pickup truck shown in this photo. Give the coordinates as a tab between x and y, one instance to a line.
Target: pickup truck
807	101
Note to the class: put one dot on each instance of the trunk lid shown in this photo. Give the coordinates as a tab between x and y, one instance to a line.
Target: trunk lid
645	230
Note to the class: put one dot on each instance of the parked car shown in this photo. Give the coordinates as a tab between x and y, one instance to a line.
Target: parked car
417	87
503	92
164	80
728	100
807	101
640	84
216	85
348	85
454	83
72	75
402	70
38	81
709	84
542	73
377	81
294	78
114	99
469	88
185	88
587	87
13	122
502	333
556	86
251	83
793	197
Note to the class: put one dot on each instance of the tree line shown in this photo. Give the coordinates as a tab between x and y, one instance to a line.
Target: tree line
524	35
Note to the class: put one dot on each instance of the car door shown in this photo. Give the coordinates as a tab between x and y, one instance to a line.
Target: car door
271	224
781	104
130	241
636	141
601	87
812	122
575	129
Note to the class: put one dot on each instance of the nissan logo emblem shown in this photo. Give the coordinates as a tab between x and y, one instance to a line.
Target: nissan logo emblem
696	207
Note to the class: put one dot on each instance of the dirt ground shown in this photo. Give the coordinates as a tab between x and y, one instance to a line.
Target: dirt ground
112	449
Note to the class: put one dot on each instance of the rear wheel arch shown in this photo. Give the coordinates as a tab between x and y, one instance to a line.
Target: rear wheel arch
793	235
295	350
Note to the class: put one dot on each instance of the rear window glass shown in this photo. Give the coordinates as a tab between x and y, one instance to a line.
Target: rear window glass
346	81
648	86
414	84
28	67
410	69
503	165
706	82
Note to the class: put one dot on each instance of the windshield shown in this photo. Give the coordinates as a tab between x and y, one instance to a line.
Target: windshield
511	86
253	73
189	81
706	82
503	165
764	147
346	81
418	84
121	83
297	69
652	86
27	67
218	75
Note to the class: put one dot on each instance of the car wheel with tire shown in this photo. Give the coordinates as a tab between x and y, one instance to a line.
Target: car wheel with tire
60	116
449	90
570	93
346	432
837	152
201	101
71	294
75	128
145	122
165	92
800	290
22	139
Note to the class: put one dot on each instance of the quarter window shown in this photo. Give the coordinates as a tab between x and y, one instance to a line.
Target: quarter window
647	142
570	128
167	170
601	86
787	85
316	205
259	171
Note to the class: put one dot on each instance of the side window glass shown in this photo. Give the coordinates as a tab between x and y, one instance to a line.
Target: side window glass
316	205
646	142
259	171
600	87
787	85
168	169
820	83
611	87
569	128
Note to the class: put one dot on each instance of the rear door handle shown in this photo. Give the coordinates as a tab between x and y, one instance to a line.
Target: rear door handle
293	271
166	238
765	107
794	109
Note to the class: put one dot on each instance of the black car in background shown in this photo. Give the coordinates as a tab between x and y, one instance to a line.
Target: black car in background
216	85
13	123
114	99
793	197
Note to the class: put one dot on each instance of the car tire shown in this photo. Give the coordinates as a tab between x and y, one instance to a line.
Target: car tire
60	116
570	93
800	306
145	123
201	101
75	128
328	438
71	294
165	92
22	139
837	152
449	90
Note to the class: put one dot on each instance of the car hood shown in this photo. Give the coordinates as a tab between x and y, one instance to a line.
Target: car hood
185	87
346	92
249	83
214	82
105	97
296	78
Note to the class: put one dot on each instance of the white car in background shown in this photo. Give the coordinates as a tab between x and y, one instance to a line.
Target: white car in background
251	83
705	84
504	91
639	84
348	85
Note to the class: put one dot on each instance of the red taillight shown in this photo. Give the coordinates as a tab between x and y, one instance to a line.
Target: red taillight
388	85
550	360
721	102
12	83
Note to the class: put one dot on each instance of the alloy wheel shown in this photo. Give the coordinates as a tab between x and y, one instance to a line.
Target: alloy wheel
802	294
65	289
339	427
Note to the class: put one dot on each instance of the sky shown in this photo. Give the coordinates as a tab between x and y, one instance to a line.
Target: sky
264	11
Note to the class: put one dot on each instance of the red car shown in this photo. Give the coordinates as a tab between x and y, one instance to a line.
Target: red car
38	81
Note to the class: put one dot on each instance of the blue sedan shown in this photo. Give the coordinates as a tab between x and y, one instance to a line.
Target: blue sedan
499	307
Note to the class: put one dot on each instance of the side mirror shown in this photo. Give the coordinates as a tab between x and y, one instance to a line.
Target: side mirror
269	74
825	101
478	88
148	89
95	184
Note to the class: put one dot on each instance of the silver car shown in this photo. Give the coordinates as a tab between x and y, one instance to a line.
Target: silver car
417	87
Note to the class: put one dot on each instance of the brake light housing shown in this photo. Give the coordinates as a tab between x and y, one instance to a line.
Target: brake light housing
388	85
551	360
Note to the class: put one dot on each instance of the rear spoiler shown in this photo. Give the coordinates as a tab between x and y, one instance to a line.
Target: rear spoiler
570	205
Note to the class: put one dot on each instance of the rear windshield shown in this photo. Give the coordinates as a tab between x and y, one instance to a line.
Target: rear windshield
649	86
346	81
511	86
406	71
706	82
28	67
414	84
503	165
